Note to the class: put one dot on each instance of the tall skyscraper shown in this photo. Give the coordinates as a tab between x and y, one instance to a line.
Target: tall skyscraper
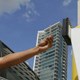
18	72
52	64
78	12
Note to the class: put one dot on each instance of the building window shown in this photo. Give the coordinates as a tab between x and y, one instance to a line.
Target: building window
21	73
56	75
14	71
27	78
20	77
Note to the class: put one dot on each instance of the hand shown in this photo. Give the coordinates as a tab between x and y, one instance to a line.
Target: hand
45	44
14	59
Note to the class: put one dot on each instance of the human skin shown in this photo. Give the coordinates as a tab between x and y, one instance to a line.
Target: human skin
16	58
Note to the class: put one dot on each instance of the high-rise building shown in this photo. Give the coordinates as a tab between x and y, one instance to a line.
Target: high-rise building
78	12
52	64
19	72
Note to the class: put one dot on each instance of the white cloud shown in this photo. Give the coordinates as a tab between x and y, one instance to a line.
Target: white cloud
11	6
66	2
31	12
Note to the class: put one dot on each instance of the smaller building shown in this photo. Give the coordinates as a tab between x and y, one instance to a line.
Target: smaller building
1	78
19	72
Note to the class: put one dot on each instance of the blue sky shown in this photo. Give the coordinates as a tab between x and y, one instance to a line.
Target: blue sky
21	19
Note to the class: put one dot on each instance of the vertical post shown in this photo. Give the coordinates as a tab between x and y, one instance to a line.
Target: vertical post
78	13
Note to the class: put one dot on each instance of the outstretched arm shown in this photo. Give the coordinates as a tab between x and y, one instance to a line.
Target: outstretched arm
16	58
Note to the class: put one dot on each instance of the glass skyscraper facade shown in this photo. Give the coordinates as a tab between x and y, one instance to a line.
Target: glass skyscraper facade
52	64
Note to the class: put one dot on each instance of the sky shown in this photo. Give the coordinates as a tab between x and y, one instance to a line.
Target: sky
20	20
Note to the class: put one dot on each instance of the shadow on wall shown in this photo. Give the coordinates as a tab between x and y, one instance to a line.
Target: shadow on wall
76	78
